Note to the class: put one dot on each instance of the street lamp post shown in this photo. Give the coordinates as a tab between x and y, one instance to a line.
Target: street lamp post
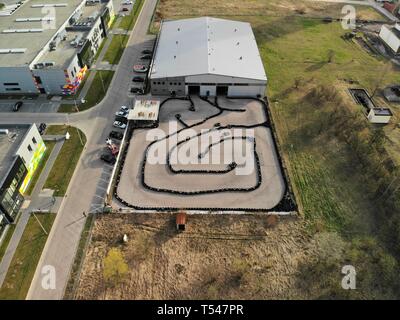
41	226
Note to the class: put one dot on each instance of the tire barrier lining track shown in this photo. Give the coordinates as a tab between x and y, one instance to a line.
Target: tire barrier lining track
287	203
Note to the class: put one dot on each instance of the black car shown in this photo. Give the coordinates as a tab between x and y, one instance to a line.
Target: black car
17	106
42	128
147	51
137	90
116	135
109	158
146	57
138	79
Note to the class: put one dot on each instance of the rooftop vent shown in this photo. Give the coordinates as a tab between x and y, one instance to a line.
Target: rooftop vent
13	50
34	19
41	5
22	30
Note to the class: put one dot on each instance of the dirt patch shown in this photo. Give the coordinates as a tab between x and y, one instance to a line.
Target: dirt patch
218	256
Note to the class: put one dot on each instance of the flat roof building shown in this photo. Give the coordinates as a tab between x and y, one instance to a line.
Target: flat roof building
21	150
207	56
46	45
391	37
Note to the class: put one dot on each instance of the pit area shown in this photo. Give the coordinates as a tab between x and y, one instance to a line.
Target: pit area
205	154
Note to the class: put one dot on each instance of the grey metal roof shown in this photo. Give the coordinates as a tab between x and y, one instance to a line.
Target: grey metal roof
207	46
33	42
9	144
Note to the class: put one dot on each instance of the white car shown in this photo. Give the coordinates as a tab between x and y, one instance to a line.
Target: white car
140	68
121	114
119	124
124	109
127	2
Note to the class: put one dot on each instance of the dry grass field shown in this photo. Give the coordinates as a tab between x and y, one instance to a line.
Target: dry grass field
218	256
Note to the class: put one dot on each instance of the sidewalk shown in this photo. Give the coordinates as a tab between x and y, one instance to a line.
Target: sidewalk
41	201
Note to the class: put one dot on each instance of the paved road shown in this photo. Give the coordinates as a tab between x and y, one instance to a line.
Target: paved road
87	184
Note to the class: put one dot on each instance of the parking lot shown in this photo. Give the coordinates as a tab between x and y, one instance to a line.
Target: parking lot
36	105
146	49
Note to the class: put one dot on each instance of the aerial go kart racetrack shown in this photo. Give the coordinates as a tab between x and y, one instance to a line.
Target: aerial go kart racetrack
206	154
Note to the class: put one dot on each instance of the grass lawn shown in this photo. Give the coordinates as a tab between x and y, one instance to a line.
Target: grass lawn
6	241
128	22
64	166
26	258
49	148
95	93
79	256
116	48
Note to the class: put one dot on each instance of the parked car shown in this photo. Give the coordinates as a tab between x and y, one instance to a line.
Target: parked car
119	124
116	135
146	57
124	108
17	106
140	68
125	9
137	90
109	158
147	51
138	79
121	114
127	2
42	128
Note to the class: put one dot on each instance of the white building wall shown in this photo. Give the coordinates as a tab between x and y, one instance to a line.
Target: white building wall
390	38
20	76
213	78
23	150
251	91
95	36
73	68
206	81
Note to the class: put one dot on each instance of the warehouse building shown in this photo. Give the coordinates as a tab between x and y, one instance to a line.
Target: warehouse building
207	56
21	149
46	46
391	37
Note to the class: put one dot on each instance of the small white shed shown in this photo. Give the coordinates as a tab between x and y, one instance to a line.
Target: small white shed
379	115
391	37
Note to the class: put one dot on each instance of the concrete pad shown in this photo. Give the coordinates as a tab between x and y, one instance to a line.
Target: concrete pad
245	192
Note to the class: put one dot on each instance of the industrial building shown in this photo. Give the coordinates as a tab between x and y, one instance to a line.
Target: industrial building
391	37
207	56
21	149
46	46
